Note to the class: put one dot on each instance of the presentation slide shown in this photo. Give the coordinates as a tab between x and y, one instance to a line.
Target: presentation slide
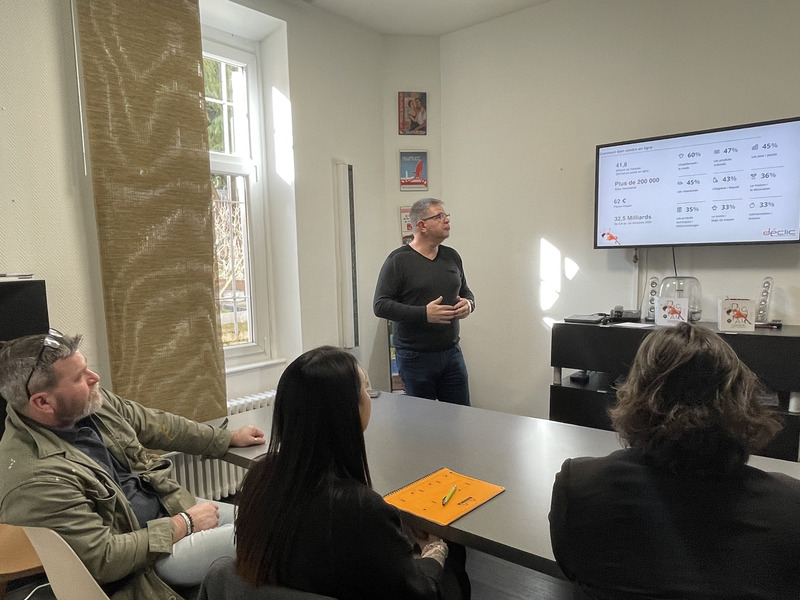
737	185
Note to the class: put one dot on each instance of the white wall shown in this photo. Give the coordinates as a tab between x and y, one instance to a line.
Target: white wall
47	223
527	97
516	107
335	74
411	64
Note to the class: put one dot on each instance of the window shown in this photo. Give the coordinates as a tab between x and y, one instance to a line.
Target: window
234	133
232	255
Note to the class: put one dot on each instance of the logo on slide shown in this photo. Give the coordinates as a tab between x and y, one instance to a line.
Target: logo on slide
773	232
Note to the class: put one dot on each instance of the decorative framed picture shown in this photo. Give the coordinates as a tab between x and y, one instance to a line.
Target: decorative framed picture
412	113
413	170
406	229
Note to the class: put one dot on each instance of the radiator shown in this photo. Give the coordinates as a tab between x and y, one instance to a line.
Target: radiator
214	479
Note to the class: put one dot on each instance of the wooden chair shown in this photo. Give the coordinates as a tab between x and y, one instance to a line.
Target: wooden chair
69	578
17	556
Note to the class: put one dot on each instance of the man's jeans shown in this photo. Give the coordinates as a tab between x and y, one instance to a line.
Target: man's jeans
192	556
435	375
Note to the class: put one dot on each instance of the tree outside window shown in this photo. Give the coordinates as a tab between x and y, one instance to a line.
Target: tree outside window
229	144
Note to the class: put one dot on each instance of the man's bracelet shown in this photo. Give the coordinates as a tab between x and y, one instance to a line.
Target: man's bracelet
189	522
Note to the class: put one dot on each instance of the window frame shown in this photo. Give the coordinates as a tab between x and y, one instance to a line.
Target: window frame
253	165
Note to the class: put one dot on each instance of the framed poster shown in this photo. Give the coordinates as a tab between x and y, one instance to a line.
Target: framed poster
406	229
413	170
412	113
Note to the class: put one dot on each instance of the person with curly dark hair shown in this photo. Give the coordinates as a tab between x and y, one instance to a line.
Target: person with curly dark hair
679	513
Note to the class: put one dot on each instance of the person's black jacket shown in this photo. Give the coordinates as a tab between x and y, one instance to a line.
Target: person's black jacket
623	529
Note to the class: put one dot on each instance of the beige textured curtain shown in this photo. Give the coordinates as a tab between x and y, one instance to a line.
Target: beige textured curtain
141	62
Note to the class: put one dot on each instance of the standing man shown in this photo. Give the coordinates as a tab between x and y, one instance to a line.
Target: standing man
422	288
75	458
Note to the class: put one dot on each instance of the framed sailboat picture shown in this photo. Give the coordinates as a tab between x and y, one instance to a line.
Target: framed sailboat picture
413	170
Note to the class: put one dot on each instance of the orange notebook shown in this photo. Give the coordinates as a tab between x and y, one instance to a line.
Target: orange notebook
424	497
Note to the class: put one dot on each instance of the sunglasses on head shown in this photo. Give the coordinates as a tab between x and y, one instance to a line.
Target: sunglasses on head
51	340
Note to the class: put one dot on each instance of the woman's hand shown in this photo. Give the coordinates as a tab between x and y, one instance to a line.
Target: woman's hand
422	538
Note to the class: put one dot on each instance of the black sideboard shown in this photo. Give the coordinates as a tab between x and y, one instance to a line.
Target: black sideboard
606	352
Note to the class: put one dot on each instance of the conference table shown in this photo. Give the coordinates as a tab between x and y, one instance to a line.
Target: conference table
408	438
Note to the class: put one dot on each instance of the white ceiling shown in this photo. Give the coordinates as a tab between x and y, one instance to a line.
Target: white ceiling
393	17
234	18
421	17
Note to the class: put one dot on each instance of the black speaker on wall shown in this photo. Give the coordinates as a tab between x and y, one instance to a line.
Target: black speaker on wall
23	308
23	311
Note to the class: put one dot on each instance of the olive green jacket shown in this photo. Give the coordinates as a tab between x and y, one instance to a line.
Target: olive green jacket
47	482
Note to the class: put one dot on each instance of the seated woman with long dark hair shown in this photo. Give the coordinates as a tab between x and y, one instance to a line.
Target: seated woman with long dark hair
679	514
308	517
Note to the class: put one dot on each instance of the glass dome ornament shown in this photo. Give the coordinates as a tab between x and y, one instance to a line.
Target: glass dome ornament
688	290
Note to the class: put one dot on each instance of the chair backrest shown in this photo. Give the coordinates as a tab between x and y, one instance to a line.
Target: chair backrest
222	583
68	576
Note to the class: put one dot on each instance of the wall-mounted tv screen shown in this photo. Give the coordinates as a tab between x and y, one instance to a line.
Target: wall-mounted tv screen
734	185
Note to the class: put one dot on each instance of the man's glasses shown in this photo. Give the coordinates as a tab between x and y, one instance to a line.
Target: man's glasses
438	217
51	340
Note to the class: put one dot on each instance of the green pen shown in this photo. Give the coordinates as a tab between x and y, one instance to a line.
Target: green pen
452	491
